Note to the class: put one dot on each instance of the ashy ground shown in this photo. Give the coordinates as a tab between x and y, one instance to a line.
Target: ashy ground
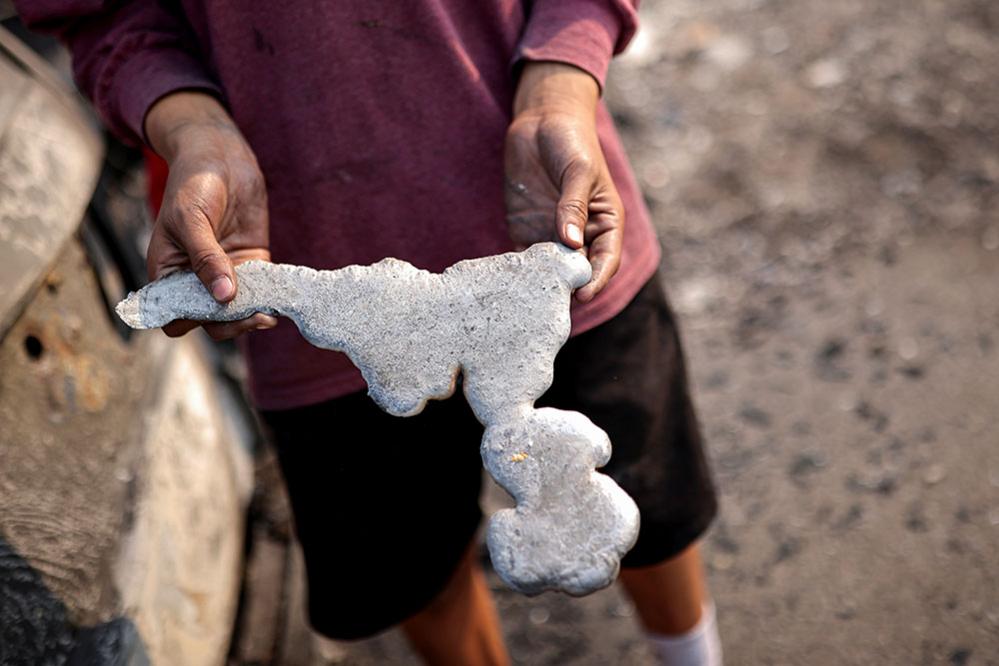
825	180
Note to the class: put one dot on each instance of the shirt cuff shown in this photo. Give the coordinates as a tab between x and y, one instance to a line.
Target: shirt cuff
583	33
142	78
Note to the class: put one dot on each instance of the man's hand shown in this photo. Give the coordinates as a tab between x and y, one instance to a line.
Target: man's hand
558	186
214	211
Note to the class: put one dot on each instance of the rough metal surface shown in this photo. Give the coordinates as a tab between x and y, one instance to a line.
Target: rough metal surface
70	394
499	321
49	161
121	501
35	629
178	571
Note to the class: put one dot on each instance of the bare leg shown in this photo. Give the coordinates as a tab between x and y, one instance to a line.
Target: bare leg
460	626
670	595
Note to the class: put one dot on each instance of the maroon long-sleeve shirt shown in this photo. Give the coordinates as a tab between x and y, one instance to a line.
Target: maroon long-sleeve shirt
378	124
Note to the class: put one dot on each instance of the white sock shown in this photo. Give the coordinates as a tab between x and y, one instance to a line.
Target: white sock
700	646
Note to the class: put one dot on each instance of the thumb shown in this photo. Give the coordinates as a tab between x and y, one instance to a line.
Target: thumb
573	207
208	260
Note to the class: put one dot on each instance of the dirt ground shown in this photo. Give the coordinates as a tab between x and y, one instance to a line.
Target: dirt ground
825	180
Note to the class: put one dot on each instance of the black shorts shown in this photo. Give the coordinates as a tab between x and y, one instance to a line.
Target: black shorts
385	507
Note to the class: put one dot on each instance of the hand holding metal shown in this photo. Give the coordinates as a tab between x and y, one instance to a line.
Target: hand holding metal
499	321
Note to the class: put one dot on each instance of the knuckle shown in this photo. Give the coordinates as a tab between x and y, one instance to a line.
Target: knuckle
519	137
584	165
198	211
205	177
205	258
186	213
200	200
574	208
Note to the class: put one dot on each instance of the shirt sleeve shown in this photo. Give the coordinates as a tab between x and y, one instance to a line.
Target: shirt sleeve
126	55
584	33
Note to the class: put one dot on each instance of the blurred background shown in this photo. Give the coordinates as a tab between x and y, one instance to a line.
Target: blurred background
825	181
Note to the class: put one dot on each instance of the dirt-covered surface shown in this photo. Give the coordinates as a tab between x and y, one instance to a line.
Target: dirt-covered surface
825	180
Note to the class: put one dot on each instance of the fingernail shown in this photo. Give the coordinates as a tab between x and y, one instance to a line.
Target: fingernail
573	233
222	288
265	322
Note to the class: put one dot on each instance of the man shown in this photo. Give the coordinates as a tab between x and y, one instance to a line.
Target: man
337	133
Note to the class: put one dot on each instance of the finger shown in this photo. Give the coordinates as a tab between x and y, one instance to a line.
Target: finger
231	329
162	256
180	327
208	260
573	207
605	258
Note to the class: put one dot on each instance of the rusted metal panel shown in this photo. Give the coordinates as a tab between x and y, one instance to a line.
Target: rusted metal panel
122	486
71	396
